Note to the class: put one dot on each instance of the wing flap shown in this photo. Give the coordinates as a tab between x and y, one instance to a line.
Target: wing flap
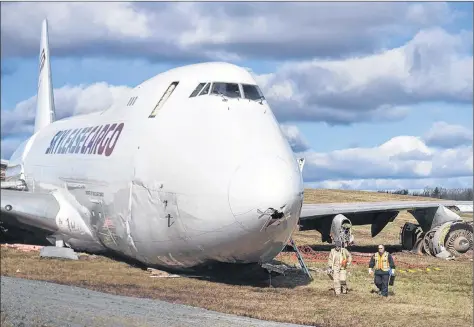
32	209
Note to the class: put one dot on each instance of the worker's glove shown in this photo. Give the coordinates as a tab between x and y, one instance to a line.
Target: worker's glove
392	272
371	271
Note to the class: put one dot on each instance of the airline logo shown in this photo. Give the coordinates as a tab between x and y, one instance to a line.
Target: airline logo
42	60
98	140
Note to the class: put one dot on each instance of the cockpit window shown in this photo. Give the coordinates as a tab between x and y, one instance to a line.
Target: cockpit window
197	89
230	90
205	90
252	92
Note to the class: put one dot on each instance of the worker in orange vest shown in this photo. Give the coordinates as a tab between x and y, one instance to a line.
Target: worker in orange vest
338	261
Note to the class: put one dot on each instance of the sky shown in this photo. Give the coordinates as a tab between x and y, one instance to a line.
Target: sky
375	96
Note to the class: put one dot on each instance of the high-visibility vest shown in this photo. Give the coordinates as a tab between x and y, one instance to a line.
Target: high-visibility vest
342	258
381	262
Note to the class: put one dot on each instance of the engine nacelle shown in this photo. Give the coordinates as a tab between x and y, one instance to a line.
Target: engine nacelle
341	229
451	238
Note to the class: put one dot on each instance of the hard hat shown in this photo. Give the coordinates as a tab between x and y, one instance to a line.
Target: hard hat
338	244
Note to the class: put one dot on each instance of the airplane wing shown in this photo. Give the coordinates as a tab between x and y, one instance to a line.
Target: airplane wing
313	211
26	209
335	220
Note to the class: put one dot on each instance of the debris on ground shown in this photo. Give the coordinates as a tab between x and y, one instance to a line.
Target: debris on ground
23	247
279	268
58	252
318	270
86	256
155	273
445	254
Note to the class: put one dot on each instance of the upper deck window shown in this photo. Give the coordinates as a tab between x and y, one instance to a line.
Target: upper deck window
163	99
197	89
230	90
252	92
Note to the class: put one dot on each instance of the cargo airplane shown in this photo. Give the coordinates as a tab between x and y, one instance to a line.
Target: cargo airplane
188	168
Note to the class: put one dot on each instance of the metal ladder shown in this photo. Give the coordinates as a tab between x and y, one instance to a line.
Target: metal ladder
300	259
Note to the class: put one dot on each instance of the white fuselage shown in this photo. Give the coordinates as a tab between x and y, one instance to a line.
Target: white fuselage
188	185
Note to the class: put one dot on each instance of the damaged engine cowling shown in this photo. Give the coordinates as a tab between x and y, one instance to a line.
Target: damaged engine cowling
451	238
341	229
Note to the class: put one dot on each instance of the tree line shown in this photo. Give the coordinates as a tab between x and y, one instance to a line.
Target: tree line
455	194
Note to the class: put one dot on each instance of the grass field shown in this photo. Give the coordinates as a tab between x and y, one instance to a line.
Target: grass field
439	297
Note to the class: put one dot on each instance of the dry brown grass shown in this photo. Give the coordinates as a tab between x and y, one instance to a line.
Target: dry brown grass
433	298
328	196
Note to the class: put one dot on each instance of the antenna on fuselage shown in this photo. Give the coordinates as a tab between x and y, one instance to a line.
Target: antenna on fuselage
45	111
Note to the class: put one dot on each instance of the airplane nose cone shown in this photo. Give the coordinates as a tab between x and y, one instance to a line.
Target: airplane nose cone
263	183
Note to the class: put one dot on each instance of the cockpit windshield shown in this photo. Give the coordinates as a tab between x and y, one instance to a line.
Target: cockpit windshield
252	92
197	89
205	91
230	90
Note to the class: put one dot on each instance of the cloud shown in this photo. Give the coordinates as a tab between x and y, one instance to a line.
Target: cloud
8	146
198	31
18	123
433	66
295	138
402	157
445	135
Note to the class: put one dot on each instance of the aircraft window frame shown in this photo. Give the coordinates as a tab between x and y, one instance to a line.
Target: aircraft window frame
227	94
164	98
259	92
198	89
208	86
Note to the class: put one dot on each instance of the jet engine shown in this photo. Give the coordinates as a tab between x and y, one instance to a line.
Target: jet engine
341	229
451	238
441	233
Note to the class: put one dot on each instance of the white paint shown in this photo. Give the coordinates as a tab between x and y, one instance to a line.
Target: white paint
68	219
45	114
